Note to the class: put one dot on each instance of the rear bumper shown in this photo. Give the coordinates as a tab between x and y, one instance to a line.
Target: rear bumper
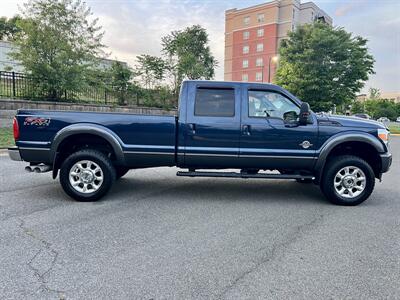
14	154
386	161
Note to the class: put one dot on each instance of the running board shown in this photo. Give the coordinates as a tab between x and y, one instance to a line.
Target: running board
243	175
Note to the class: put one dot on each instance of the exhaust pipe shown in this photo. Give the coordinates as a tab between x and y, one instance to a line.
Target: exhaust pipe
38	168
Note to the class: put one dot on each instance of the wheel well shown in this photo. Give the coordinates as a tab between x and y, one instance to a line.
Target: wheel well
77	142
363	150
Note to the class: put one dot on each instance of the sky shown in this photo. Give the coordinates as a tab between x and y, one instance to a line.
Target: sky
134	27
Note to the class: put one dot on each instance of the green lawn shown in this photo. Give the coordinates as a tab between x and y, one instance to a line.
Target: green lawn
6	137
394	128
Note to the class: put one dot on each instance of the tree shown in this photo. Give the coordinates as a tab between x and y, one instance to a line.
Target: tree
58	44
121	77
324	65
374	93
9	28
189	53
151	69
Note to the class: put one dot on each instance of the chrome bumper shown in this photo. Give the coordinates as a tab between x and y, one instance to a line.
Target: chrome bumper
14	154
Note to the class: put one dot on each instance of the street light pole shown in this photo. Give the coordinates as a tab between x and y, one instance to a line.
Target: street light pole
269	69
271	59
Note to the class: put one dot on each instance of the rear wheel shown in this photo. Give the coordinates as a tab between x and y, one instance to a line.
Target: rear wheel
348	180
87	175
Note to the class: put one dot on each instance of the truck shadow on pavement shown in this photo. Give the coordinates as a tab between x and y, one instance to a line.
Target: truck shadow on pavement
226	190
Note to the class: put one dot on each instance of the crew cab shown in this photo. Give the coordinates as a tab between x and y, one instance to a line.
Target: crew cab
260	130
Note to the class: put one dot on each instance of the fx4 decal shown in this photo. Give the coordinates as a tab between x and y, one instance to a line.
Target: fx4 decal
37	121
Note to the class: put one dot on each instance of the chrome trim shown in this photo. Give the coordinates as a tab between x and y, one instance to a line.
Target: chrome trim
278	156
211	154
145	152
14	154
248	156
130	146
35	143
30	148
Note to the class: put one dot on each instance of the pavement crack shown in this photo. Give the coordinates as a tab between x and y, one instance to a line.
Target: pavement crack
272	253
46	255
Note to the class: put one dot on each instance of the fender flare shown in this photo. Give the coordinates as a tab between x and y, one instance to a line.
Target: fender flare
348	136
85	128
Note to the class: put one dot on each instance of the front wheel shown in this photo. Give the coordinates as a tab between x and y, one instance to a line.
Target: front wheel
347	180
87	175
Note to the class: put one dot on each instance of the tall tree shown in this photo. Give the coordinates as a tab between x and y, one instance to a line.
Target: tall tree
324	65
58	44
121	77
151	69
189	49
9	28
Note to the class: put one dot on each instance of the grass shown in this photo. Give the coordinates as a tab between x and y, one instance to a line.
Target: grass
394	128
6	137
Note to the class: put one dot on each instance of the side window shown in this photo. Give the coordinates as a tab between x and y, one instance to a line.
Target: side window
271	104
211	102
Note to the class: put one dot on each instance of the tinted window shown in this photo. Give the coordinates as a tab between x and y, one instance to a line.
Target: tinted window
215	102
271	104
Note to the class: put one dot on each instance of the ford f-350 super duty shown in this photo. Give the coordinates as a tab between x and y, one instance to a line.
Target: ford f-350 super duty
261	130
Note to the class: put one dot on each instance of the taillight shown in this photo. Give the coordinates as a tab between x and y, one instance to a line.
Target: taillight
15	129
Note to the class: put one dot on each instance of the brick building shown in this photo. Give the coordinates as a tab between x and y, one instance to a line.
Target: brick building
253	34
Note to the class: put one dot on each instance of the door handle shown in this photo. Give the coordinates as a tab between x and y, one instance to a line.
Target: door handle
246	129
192	128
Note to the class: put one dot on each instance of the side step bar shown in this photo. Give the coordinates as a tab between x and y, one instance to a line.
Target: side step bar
243	175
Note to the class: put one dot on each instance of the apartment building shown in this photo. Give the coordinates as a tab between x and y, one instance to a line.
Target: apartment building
253	34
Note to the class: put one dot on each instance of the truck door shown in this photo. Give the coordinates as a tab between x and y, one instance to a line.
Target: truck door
270	136
212	127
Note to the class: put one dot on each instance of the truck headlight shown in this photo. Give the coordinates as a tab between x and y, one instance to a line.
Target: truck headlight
383	135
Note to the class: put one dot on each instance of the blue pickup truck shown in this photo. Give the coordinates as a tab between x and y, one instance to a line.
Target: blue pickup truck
260	130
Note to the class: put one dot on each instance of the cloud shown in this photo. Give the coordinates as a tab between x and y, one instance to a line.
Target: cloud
137	26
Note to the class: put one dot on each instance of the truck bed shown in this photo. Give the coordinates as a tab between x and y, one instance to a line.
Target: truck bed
142	137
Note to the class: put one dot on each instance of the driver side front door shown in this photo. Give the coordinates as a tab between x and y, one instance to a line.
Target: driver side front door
268	141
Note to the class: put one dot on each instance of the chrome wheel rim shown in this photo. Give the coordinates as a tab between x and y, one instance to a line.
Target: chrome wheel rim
349	182
86	176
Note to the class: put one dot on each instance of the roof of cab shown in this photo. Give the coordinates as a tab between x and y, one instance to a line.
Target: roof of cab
254	85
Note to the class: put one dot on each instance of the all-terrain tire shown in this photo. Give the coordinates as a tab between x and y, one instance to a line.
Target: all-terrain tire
352	165
93	160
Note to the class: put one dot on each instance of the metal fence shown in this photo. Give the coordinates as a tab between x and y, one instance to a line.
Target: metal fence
22	86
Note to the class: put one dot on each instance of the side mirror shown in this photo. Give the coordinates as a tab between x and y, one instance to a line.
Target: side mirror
304	113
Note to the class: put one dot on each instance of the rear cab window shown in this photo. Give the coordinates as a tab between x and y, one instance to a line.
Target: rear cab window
214	102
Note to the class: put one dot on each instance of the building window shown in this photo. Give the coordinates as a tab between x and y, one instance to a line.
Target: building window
246	20
258	76
245	77
260	18
259	62
246	35
214	102
245	63
312	16
260	47
260	32
294	12
245	49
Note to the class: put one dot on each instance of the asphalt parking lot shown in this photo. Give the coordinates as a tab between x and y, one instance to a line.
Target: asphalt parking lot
157	236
